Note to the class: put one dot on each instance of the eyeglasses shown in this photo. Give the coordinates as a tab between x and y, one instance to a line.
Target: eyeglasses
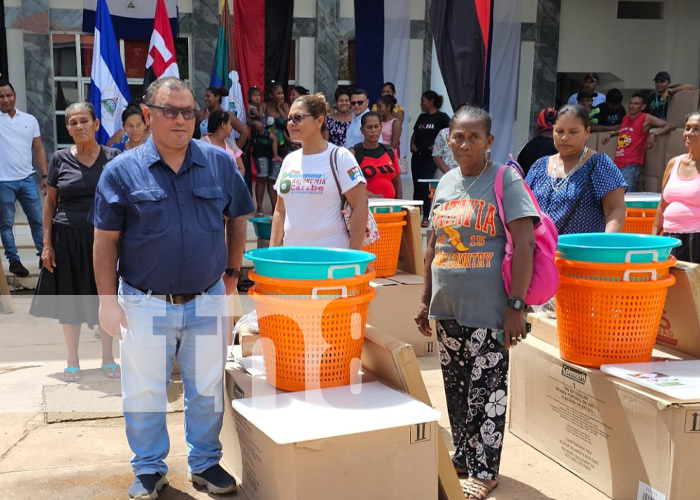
171	112
297	118
357	103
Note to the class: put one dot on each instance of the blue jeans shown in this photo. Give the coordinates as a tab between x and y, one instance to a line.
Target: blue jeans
630	174
27	193
157	333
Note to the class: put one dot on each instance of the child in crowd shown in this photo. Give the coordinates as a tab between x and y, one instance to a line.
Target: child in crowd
257	113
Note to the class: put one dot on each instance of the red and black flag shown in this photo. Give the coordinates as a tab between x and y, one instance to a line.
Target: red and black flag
462	32
162	60
263	41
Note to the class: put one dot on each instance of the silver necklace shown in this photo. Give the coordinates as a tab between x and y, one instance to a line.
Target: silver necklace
559	182
466	190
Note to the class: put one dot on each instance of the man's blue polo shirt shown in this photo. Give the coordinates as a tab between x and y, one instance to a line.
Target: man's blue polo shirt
172	230
354	135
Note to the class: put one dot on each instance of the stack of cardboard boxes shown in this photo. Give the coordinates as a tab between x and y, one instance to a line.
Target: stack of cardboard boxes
368	440
627	441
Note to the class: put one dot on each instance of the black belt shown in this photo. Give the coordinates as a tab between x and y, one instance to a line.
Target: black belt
175	299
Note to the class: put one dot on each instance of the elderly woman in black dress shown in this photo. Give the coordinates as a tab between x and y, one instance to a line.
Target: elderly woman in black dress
66	289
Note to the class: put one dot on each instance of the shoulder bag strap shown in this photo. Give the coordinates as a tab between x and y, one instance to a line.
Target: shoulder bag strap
334	171
498	188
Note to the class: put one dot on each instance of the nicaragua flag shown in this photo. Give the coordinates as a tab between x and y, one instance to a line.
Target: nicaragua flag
133	19
109	92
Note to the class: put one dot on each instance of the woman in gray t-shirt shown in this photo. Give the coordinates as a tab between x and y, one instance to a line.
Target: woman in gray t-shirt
477	322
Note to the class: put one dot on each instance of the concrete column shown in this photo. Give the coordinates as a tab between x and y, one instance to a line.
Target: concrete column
544	78
205	29
37	64
327	47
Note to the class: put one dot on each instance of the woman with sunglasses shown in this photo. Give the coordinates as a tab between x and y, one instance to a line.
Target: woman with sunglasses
308	209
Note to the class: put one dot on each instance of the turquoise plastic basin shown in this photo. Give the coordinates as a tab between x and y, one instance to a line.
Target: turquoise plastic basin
642	200
262	226
616	248
309	263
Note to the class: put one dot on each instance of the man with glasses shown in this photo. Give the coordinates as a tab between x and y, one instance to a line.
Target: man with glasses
359	104
172	211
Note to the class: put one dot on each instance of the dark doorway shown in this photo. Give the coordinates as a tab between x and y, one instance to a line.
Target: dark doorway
3	42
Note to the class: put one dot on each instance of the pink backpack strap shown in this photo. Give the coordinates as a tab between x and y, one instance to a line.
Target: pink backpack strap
498	188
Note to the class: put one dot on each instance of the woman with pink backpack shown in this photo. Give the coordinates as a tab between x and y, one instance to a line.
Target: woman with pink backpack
476	290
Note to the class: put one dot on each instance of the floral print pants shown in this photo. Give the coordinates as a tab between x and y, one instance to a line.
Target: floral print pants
475	372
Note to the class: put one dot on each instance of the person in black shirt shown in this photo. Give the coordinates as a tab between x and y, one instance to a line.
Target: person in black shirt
66	289
663	90
610	113
542	144
429	123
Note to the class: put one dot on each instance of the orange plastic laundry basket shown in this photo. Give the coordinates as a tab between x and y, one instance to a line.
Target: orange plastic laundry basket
600	271
311	343
641	212
307	289
387	247
639	225
639	220
609	322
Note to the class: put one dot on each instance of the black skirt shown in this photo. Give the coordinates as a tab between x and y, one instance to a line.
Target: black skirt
689	250
69	294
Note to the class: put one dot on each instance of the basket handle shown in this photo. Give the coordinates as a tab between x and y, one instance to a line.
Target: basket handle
343	290
630	253
332	269
626	275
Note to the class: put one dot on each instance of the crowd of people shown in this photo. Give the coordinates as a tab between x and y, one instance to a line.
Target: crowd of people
158	188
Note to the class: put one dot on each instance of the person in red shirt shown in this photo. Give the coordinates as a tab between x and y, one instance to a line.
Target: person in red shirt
634	137
378	162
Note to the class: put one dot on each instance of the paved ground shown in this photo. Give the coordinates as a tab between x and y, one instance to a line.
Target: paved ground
88	459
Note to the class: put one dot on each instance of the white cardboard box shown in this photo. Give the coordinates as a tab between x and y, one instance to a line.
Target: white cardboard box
680	322
366	441
394	308
627	441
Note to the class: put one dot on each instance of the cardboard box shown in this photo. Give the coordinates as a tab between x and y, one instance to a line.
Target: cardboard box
340	443
681	104
609	148
655	158
680	323
245	378
393	308
649	184
395	364
675	144
592	141
240	383
544	328
629	442
411	256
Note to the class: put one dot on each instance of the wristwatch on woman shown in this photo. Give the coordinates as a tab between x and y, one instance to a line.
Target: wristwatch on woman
517	304
232	272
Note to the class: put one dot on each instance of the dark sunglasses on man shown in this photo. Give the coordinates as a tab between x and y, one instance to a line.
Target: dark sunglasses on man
357	103
171	112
